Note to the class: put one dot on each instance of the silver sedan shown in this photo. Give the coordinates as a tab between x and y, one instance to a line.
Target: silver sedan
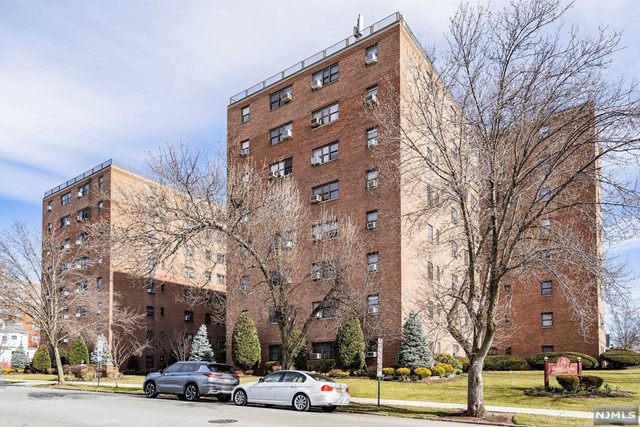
299	389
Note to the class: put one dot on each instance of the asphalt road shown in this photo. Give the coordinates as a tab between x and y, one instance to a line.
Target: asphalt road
32	406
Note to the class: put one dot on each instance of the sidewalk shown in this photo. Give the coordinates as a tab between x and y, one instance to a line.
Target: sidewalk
386	402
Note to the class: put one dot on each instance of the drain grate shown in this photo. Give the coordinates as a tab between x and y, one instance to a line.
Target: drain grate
222	421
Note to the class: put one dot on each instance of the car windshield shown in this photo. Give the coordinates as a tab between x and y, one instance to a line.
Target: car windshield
225	369
321	378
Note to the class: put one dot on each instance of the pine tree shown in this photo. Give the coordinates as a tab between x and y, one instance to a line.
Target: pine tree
245	344
201	347
106	356
19	358
415	351
41	359
78	351
350	345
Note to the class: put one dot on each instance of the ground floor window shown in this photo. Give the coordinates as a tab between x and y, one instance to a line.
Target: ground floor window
325	350
275	353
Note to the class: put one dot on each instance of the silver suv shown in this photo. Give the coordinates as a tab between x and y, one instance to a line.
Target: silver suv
190	380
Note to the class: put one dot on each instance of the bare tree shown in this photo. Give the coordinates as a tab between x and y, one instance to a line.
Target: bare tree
179	345
126	341
519	141
43	277
625	325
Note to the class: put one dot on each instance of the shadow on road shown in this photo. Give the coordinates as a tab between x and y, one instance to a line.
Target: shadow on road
48	395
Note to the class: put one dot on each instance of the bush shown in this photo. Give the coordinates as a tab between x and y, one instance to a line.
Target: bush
343	374
78	352
322	365
350	345
449	359
438	371
41	360
88	374
8	370
504	363
402	373
590	382
568	382
388	371
334	373
448	369
464	362
271	367
359	373
621	358
536	361
245	344
422	372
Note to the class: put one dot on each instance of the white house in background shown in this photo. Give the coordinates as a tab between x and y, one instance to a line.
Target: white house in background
12	336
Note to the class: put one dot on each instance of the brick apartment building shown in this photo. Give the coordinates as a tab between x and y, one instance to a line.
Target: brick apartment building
308	123
92	197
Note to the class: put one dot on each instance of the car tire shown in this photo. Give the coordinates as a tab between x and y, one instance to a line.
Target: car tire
224	397
329	408
301	402
191	392
150	390
240	397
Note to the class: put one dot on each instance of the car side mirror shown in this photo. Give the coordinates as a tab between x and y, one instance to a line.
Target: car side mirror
261	380
161	371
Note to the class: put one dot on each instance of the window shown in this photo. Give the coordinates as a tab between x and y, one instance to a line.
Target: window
454	216
207	276
372	50
373	303
99	282
493	351
81	312
373	261
372	137
81	287
50	227
325	230
429	270
245	114
546	320
281	133
244	283
49	205
148	362
282	168
507	319
429	233
547	349
84	190
150	311
188	272
327	114
220	258
326	350
372	178
455	349
100	207
546	287
326	153
373	90
328	191
65	198
274	353
507	351
543	132
372	220
273	318
65	313
328	312
221	279
66	244
454	250
545	224
430	310
100	181
507	289
207	318
65	221
188	316
82	214
281	97
189	250
454	284
323	270
544	194
83	263
244	148
162	287
161	311
326	76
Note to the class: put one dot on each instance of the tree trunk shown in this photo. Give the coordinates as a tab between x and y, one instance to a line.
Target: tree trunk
475	388
56	355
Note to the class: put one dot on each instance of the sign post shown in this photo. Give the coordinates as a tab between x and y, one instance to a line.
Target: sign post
100	351
562	366
379	366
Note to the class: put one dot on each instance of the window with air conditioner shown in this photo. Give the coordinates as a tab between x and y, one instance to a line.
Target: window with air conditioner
327	312
281	168
326	76
327	114
84	190
373	304
65	199
83	214
372	220
244	283
545	224
325	230
371	55
372	178
372	137
244	148
371	96
328	191
325	350
281	133
373	262
65	221
49	205
543	132
188	316
281	97
326	153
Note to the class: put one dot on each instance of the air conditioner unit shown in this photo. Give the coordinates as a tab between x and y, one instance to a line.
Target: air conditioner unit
78	314
316	121
372	142
78	242
287	134
65	340
316	237
316	275
372	268
79	218
151	290
80	194
371	99
372	354
65	293
316	84
374	309
187	318
244	152
316	198
372	225
316	160
49	208
286	97
371	58
272	175
287	245
315	356
372	183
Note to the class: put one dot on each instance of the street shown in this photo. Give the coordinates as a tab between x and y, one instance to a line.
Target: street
32	406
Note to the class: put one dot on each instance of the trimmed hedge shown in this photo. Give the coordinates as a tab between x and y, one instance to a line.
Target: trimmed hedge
422	372
574	382
402	372
448	369
464	362
621	358
590	382
388	371
321	365
568	382
437	371
449	359
504	363
536	361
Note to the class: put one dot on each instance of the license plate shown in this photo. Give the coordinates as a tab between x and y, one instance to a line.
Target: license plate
339	389
226	380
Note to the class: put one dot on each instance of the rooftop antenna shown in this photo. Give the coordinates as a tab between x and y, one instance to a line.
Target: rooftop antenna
357	30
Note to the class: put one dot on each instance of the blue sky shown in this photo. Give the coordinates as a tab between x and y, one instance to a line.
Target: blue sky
82	82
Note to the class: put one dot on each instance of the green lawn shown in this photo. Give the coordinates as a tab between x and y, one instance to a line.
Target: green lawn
127	379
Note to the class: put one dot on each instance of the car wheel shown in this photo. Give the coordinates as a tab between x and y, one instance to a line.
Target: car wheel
301	402
240	397
150	390
329	408
224	397
191	393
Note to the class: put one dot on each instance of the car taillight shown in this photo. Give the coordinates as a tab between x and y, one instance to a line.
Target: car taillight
213	375
347	389
326	387
236	377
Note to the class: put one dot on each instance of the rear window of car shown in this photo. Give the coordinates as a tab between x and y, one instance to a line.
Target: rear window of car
225	369
321	378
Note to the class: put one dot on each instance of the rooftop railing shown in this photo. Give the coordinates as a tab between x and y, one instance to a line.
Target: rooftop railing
373	29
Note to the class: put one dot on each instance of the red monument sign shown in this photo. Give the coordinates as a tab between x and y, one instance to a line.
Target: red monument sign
562	366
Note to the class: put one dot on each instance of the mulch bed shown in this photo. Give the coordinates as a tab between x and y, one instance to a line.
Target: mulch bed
584	395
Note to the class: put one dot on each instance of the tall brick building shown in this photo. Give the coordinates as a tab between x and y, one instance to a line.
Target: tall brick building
309	123
91	198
